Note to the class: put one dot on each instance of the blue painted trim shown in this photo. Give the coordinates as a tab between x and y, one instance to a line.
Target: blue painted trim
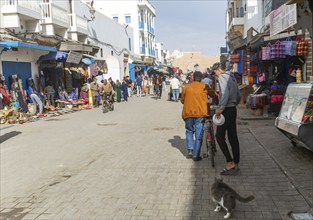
8	45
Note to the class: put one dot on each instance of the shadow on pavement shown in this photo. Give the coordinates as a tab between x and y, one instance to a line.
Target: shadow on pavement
9	135
179	143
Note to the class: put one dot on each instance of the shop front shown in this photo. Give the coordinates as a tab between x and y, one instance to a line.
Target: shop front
273	65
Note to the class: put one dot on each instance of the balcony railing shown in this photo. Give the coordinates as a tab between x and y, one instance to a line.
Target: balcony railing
55	14
27	8
78	23
147	4
29	4
236	21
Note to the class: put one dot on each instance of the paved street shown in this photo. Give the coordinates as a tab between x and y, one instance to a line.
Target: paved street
130	164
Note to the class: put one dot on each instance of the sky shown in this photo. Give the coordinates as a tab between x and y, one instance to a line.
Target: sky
190	25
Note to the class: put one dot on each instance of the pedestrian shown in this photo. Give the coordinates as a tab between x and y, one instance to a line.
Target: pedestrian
113	85
160	86
118	91
195	101
106	90
139	85
94	90
145	85
125	90
36	97
129	83
229	97
175	88
49	92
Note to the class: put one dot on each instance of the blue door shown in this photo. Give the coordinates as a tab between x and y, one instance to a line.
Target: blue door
22	69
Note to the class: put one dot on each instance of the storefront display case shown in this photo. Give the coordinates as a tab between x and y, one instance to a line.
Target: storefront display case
295	119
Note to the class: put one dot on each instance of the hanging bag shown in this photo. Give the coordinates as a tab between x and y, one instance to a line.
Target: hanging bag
277	50
235	57
266	52
290	47
302	47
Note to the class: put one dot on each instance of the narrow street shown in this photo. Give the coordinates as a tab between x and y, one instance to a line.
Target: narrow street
130	164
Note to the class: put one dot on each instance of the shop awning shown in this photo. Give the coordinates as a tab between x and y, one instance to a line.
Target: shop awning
8	45
68	46
57	56
93	57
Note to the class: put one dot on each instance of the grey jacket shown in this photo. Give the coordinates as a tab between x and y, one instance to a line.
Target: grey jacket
229	95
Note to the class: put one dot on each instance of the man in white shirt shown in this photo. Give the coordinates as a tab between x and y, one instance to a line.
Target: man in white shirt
175	88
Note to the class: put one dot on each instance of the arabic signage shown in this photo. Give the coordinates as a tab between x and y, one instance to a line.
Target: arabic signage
74	57
283	18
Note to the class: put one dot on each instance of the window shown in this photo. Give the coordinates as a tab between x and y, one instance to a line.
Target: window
115	18
127	19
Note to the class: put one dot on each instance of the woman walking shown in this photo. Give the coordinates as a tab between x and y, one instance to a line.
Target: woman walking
118	91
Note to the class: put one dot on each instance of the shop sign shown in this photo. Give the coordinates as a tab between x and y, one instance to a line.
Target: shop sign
74	57
148	60
283	18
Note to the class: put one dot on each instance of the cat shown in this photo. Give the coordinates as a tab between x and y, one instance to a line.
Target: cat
225	197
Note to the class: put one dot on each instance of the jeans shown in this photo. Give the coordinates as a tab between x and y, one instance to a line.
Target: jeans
36	101
230	114
139	91
175	94
129	90
194	127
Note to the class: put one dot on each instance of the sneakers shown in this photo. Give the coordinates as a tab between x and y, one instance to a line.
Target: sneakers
189	154
197	158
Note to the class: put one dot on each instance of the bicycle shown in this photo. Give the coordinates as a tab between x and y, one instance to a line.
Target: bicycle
208	136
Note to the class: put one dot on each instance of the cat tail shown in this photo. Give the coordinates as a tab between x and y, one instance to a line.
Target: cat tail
241	199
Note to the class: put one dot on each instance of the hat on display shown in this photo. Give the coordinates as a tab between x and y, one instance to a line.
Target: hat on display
218	121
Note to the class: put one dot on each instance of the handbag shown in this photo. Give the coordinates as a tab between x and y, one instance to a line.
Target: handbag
266	52
290	47
302	47
235	57
277	50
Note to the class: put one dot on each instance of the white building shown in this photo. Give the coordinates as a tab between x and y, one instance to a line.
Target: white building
138	14
31	28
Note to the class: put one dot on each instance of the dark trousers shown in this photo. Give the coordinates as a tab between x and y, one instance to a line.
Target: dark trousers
230	114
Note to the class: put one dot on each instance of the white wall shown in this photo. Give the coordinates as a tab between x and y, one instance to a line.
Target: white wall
111	36
253	15
23	55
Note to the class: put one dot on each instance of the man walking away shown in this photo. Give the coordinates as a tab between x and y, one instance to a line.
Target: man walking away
229	97
175	88
195	100
139	85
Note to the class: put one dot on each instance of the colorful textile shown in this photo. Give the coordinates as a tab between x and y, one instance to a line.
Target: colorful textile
277	50
302	47
290	47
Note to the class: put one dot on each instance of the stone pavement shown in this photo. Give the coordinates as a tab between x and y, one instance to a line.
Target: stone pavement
140	170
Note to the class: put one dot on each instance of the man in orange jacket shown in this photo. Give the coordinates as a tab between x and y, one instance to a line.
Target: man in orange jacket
195	100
